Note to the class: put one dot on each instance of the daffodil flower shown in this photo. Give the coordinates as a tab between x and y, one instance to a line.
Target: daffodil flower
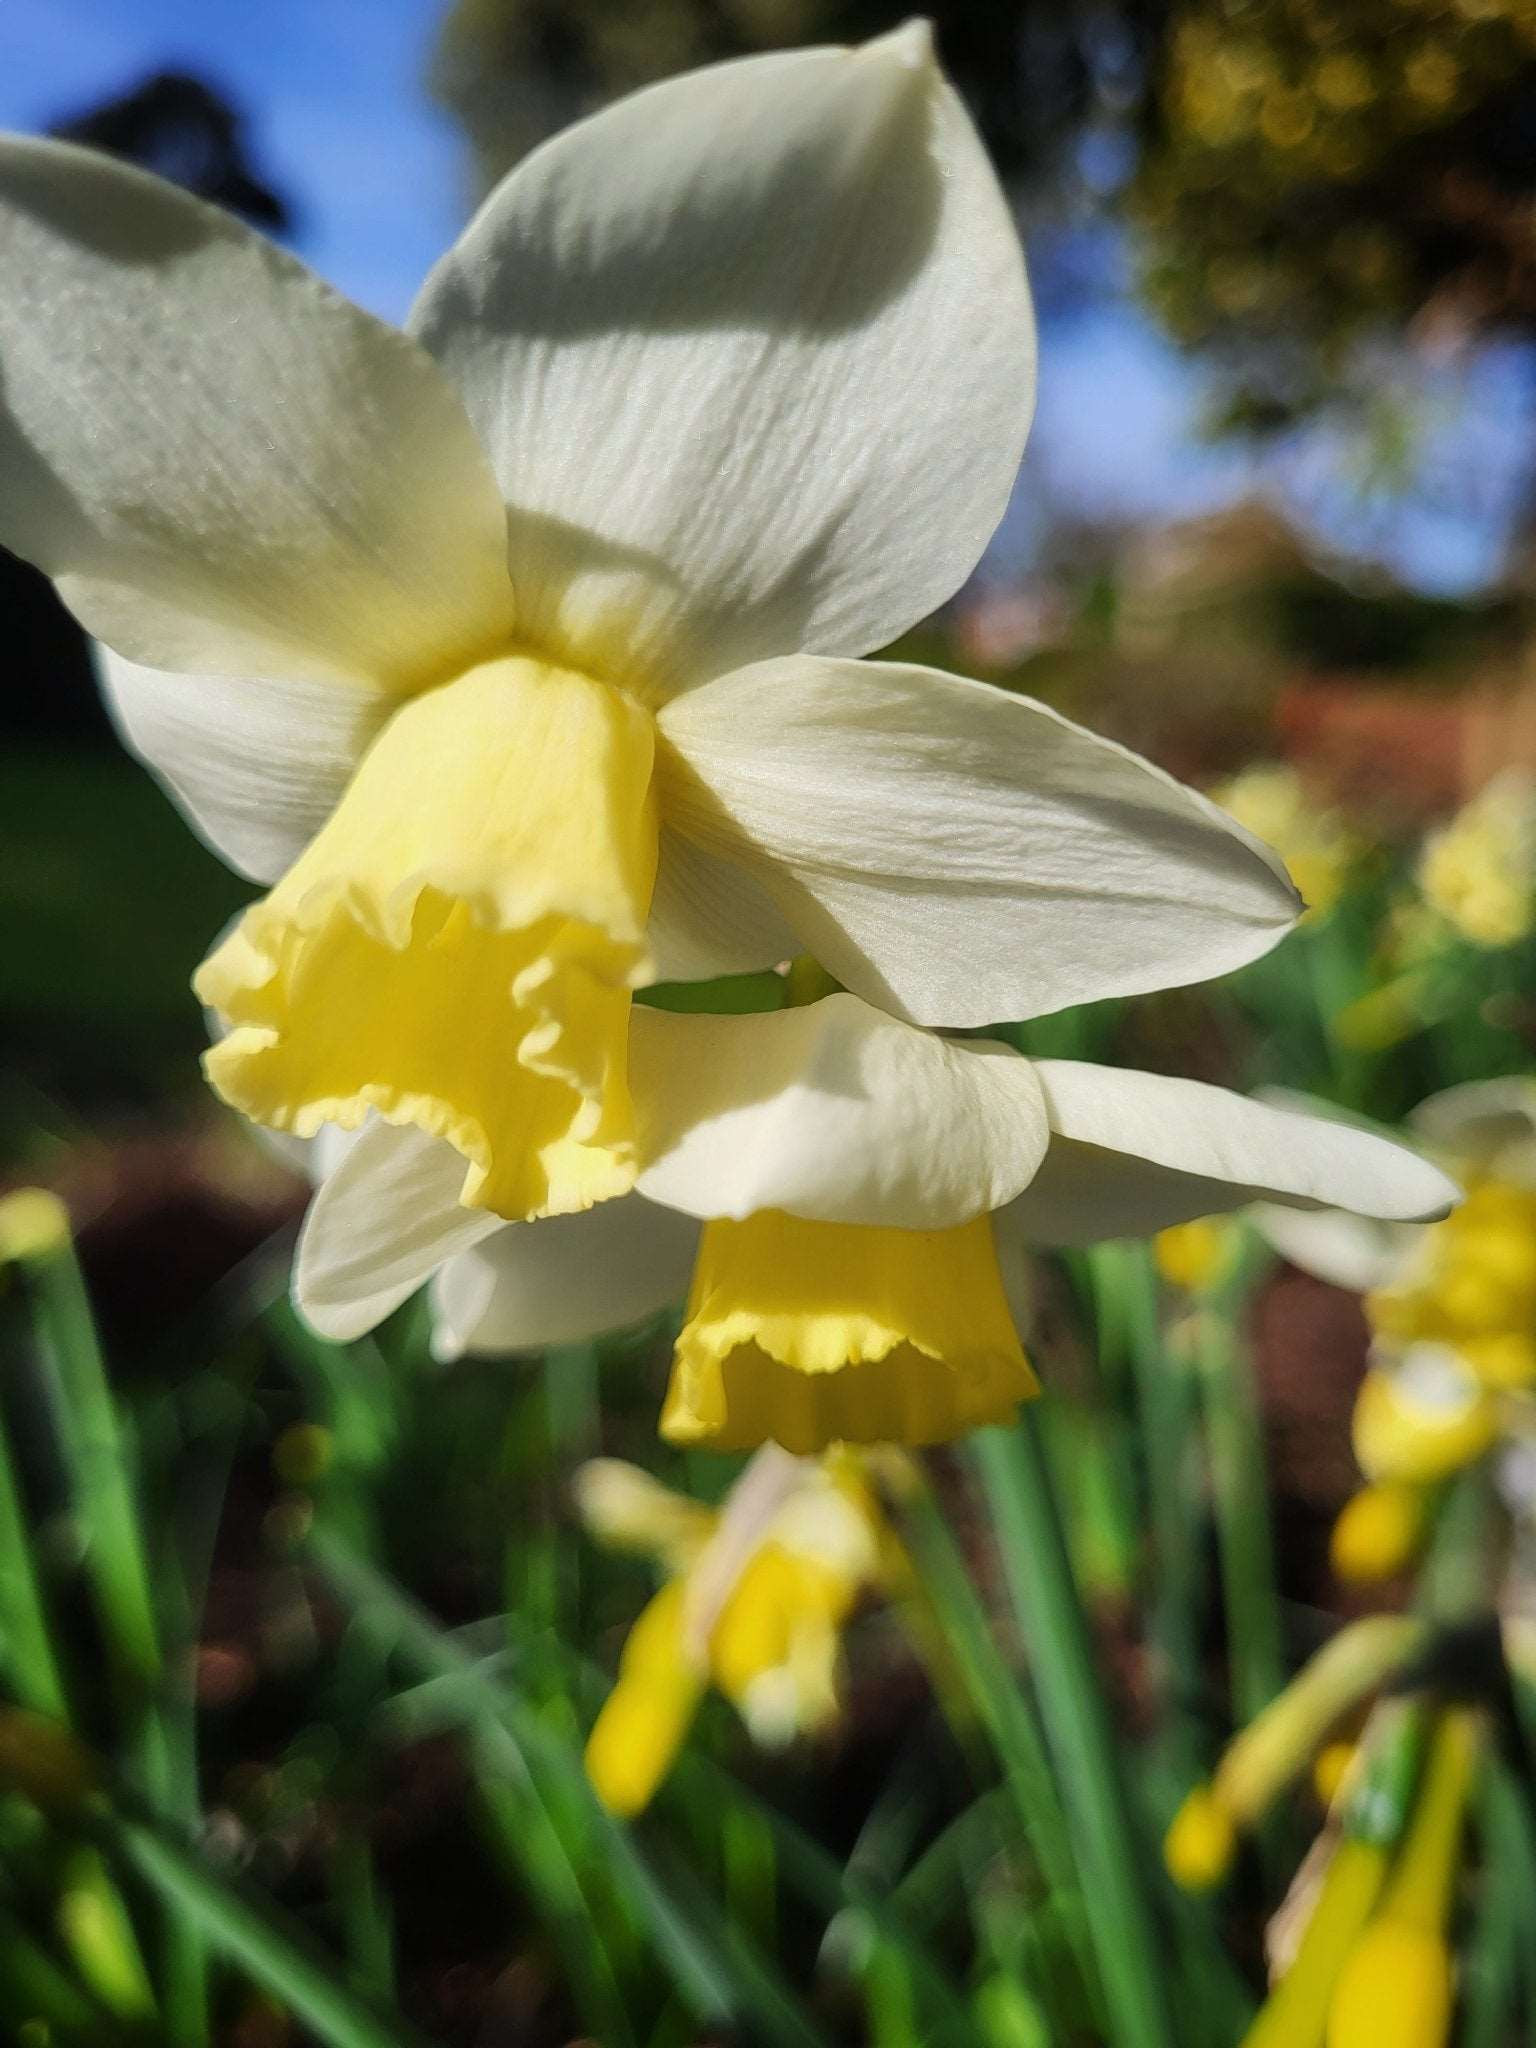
1313	839
1478	871
1273	1751
850	1191
1452	1311
518	650
1360	1949
756	1595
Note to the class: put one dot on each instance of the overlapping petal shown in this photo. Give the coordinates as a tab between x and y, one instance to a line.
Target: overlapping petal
959	854
1132	1153
257	764
564	1279
753	356
709	916
1487	1125
387	1218
223	465
384	1219
1354	1252
834	1112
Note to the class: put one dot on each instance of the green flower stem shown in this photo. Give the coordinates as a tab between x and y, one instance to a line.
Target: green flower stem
1110	1853
1332	957
366	1918
954	1616
1501	1966
1126	1295
1453	1585
1240	1501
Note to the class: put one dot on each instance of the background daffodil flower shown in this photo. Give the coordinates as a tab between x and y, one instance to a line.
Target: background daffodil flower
1452	1311
850	1191
1478	871
516	650
1313	839
756	1596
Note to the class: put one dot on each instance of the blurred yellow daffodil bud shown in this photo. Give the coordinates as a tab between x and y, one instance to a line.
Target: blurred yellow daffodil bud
1378	1532
626	1509
33	1223
1395	1987
1331	1768
1197	1256
1201	1841
636	1737
1505	1363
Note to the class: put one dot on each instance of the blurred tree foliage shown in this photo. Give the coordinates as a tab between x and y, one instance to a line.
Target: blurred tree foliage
512	71
182	128
1318	172
1305	175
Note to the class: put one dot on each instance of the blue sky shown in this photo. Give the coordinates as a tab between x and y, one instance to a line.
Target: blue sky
339	120
333	90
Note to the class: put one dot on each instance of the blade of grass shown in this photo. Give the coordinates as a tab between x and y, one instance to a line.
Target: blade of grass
251	1933
95	1452
1245	1541
1502	1967
833	1890
32	1671
992	1691
714	1970
930	1887
1007	1715
1110	1853
701	1786
1124	1285
35	1992
525	1836
353	1422
99	1458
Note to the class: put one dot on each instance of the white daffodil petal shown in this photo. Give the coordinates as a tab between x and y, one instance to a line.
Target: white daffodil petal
958	854
1133	1153
753	355
562	1280
223	464
709	916
1487	1125
833	1112
384	1220
1356	1252
257	764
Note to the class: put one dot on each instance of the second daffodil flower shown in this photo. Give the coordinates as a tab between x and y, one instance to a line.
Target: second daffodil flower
850	1194
517	650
